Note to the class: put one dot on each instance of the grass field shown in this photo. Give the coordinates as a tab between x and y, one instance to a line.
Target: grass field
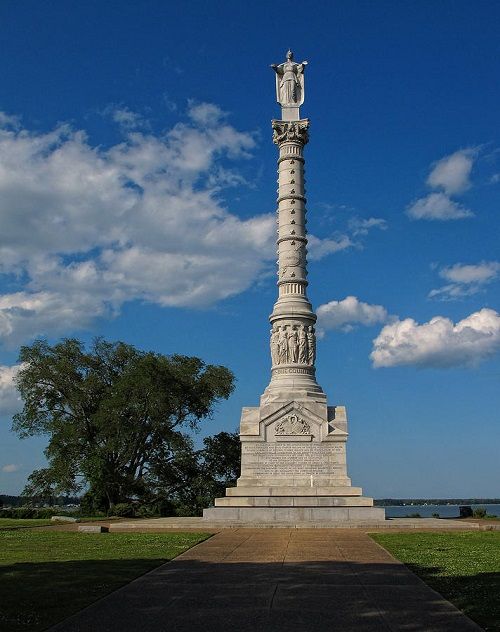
464	567
46	576
10	523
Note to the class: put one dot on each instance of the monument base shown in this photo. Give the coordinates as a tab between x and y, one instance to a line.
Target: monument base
293	469
295	514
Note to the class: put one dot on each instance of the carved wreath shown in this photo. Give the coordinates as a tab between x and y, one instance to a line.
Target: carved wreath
292	425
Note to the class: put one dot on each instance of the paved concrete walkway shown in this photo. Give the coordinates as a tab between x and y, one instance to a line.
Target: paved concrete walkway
275	580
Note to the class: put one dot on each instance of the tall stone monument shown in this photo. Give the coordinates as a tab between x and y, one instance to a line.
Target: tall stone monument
293	446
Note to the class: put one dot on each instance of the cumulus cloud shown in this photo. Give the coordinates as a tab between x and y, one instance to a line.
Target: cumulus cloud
10	400
438	343
437	206
89	228
465	279
452	173
10	467
348	313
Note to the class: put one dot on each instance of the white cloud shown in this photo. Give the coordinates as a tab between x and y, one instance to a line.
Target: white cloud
90	228
127	118
206	113
465	279
438	343
318	248
10	467
360	226
10	400
345	314
465	273
7	120
452	173
437	206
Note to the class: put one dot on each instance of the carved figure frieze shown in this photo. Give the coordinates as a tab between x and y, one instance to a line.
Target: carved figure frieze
293	344
292	425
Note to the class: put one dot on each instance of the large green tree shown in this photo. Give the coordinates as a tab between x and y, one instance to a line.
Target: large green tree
118	419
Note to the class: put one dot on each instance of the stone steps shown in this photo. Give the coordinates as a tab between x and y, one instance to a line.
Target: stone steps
156	525
294	501
261	490
295	514
274	490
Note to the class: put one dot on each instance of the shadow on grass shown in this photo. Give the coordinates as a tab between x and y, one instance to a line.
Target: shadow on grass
477	595
189	595
36	595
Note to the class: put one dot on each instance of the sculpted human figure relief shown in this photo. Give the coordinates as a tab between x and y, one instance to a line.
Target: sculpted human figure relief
282	346
303	351
289	81
311	345
293	348
274	345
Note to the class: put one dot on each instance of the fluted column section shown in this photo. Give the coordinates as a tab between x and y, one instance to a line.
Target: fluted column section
293	338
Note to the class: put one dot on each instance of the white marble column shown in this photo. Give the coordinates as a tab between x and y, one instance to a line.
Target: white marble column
293	336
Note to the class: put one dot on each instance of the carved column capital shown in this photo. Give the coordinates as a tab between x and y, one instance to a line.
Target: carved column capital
290	131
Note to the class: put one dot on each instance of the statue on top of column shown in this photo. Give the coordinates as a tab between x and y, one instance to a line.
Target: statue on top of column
289	81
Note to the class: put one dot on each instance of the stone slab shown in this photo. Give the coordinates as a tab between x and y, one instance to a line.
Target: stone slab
92	528
293	501
281	490
295	514
214	526
66	519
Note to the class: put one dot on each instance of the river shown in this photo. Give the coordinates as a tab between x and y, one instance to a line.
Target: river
426	511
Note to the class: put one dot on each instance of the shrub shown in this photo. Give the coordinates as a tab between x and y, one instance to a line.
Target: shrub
479	512
414	515
123	510
435	515
145	511
33	512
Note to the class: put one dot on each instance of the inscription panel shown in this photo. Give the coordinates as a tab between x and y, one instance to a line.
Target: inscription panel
282	459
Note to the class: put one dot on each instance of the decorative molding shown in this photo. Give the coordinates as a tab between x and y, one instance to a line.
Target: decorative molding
295	158
291	196
290	132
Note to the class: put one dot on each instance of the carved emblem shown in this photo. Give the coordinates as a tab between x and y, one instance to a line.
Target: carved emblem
292	425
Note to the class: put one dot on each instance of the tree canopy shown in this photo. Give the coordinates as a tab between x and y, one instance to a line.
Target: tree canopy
117	422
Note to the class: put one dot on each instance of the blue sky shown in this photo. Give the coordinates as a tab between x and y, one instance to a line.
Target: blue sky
137	192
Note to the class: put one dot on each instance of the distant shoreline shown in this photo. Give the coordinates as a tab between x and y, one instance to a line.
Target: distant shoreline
395	502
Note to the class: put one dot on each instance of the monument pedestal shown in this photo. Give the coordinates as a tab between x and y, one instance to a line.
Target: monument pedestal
293	469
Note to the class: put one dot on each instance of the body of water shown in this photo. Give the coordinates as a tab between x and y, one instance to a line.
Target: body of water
426	511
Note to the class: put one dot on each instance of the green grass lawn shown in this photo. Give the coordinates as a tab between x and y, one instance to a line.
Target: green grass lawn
10	523
464	567
45	576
